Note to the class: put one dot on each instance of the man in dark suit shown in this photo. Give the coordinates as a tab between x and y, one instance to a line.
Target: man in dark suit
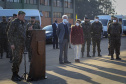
63	36
55	38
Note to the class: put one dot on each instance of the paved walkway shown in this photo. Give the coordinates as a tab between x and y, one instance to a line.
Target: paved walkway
95	70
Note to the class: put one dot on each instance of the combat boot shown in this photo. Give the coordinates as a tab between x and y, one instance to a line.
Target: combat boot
112	58
82	54
117	57
88	55
99	55
15	77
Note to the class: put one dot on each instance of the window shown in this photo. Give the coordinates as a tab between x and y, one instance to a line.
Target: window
70	15
30	1
57	3
17	1
57	15
68	3
45	2
47	14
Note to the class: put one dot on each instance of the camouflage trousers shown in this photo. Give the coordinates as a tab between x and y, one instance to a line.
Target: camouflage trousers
88	42
96	42
115	44
17	57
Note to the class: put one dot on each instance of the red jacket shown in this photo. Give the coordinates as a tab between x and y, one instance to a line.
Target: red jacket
77	35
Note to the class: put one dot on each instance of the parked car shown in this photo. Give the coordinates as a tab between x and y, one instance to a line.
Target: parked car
49	33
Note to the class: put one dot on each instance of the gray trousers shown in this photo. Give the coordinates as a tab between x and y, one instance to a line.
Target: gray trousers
63	50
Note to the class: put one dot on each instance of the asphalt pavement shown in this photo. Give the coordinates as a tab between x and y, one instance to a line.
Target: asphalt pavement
94	70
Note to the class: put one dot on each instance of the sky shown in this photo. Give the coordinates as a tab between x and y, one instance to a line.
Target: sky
120	7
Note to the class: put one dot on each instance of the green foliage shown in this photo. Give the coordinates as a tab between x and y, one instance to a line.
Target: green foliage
92	8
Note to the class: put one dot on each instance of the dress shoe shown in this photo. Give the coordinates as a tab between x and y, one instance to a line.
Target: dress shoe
57	48
67	62
61	62
118	58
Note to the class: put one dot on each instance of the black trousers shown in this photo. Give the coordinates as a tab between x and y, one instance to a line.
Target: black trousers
55	41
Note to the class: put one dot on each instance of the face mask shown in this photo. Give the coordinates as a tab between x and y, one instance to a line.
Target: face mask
114	21
65	21
96	20
77	24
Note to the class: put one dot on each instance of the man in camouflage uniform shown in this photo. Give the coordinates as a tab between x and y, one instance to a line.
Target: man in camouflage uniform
17	36
96	28
114	31
110	22
8	26
87	36
31	26
3	37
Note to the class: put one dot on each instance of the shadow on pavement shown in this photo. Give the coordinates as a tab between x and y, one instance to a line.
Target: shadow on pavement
102	74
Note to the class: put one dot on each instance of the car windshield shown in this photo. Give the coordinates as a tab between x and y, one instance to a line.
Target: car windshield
48	28
124	22
104	22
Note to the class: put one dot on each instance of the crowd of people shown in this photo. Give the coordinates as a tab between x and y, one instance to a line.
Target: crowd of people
14	37
84	33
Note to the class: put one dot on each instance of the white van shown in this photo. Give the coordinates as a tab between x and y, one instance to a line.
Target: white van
104	20
29	12
124	26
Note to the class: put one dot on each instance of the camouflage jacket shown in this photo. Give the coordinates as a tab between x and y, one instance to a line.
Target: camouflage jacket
34	26
96	28
86	29
17	32
115	29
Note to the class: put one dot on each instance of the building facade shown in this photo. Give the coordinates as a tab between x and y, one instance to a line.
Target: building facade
51	9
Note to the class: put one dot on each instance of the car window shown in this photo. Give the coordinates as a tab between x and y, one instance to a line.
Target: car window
124	22
104	22
48	28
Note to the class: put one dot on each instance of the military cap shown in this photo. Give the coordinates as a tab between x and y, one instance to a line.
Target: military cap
33	17
21	12
3	16
14	15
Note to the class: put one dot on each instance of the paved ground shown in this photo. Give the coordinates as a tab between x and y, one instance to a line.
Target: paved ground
95	70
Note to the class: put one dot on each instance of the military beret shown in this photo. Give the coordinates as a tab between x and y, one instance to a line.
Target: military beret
21	12
3	16
33	17
14	14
